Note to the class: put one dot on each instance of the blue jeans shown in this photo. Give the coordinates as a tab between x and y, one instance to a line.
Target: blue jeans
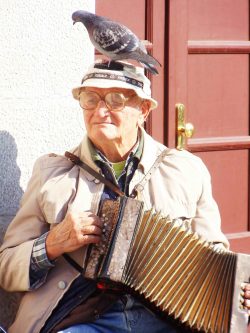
126	315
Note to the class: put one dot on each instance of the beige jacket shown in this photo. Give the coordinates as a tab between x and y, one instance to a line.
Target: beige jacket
180	187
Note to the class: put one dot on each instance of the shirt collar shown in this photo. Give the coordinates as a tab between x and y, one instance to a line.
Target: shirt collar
136	152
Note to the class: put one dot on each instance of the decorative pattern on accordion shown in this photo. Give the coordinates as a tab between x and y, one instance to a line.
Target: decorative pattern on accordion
98	252
168	264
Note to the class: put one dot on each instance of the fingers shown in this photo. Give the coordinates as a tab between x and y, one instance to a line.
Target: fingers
88	218
90	239
86	227
246	296
91	230
90	227
247	287
89	224
247	304
75	231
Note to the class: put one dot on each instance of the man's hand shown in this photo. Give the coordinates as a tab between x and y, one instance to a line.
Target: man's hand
75	231
246	296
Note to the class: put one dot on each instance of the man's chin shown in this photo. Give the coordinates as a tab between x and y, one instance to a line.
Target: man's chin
104	133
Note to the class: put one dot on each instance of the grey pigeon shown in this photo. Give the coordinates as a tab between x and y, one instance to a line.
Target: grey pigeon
114	40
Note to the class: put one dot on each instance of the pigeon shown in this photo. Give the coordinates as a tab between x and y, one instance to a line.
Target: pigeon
115	40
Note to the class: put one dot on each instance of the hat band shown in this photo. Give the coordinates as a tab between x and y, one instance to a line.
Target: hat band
108	76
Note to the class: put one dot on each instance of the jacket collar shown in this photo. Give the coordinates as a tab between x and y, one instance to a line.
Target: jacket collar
150	152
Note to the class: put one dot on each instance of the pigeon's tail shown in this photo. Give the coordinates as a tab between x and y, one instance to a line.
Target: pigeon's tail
149	67
147	60
153	60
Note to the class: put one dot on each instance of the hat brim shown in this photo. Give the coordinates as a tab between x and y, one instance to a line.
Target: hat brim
102	83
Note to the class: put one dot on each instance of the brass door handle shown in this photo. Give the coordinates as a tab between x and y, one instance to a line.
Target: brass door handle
183	130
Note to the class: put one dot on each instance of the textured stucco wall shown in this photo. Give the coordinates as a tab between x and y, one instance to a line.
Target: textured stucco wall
42	57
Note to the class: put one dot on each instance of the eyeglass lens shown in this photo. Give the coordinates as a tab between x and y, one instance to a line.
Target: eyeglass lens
89	100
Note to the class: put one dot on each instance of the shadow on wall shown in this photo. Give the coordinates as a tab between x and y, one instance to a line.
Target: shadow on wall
10	195
10	190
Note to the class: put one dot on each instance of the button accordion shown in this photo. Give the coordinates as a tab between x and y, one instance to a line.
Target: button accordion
181	274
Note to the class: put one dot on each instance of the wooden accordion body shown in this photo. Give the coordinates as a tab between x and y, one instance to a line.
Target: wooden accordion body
162	259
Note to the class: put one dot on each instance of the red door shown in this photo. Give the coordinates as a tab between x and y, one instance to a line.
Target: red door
209	74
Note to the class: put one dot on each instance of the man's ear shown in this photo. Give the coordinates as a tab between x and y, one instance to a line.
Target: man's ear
145	108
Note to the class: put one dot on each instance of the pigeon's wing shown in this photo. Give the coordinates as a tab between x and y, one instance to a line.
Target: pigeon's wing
115	38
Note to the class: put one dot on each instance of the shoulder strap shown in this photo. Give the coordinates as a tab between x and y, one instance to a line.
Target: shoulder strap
76	160
73	263
140	186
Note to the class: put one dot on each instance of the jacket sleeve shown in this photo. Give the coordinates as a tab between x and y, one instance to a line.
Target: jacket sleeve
39	263
207	221
26	227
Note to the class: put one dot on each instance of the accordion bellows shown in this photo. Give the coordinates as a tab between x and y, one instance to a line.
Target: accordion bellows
162	259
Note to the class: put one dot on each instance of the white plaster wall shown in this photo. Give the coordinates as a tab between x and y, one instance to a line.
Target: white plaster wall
42	57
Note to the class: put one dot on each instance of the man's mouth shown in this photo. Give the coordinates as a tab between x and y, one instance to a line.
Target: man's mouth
104	123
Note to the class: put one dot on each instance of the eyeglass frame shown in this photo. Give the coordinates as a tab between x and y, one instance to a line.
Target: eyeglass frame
103	98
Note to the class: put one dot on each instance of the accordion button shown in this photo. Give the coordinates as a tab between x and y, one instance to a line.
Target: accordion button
97	316
62	285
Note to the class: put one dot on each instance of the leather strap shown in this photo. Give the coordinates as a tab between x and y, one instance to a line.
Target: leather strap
138	187
76	160
73	263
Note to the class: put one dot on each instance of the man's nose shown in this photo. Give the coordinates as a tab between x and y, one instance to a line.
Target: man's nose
102	108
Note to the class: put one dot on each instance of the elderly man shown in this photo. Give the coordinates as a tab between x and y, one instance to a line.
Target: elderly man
59	211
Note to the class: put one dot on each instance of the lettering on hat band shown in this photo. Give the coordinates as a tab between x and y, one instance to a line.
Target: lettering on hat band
108	76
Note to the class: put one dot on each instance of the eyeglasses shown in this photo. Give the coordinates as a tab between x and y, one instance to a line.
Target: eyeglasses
114	101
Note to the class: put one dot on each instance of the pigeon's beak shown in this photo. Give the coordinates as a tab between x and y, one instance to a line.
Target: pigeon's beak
74	22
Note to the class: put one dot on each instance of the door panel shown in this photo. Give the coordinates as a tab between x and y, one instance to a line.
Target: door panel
233	195
209	73
217	19
218	94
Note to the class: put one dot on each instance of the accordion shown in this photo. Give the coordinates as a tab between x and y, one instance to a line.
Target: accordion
184	276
